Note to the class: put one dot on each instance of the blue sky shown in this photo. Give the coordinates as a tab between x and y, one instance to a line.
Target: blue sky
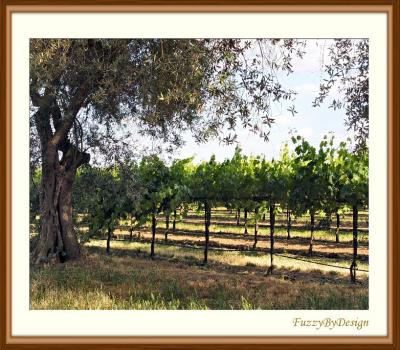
311	122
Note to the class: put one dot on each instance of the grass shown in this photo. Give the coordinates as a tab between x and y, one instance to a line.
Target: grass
235	258
175	279
129	279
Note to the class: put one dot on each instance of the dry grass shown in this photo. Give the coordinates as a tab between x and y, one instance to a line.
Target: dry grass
292	246
176	279
128	279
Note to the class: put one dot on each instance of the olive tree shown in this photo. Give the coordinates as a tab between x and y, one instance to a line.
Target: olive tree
86	94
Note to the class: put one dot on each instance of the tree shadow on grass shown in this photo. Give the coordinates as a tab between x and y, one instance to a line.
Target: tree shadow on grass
262	236
290	274
301	250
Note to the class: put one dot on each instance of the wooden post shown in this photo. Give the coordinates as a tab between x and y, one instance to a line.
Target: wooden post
353	267
153	233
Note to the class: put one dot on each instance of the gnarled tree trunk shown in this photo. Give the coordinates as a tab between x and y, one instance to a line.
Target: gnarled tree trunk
57	237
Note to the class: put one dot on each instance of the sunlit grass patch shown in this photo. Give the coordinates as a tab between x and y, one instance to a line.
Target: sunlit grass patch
235	258
176	279
139	283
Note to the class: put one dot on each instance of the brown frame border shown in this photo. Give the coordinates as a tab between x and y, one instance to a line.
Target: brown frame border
391	7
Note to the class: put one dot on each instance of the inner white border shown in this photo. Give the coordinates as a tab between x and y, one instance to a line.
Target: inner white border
148	25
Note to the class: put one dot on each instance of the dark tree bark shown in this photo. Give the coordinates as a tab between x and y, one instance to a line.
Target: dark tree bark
207	221
353	267
57	237
272	238
166	226
109	236
238	217
337	227
264	217
289	222
310	249
174	222
153	233
245	222
255	228
71	245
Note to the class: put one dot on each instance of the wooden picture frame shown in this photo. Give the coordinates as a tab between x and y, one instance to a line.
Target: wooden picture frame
391	341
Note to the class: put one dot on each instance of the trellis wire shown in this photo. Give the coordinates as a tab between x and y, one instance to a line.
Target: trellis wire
239	250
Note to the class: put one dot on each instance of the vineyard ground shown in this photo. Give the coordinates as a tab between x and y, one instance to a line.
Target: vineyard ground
176	279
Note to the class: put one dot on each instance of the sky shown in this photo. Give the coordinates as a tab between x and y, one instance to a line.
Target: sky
311	122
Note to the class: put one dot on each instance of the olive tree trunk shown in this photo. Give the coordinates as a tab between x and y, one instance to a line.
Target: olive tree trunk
57	238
